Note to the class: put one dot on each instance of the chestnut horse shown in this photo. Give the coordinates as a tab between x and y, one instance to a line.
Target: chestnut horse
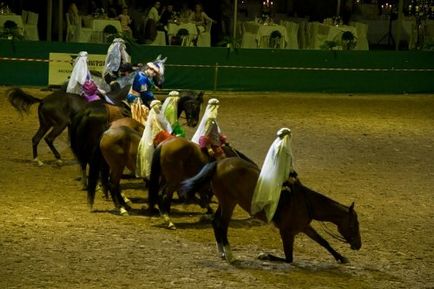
119	145
173	161
233	182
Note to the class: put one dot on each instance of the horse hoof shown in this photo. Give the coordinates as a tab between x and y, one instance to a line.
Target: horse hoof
123	212
171	226
38	162
59	162
263	257
344	260
206	218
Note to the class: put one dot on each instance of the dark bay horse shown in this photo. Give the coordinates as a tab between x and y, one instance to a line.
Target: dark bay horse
174	161
119	145
55	112
233	182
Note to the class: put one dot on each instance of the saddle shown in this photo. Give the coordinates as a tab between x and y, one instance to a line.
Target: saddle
114	112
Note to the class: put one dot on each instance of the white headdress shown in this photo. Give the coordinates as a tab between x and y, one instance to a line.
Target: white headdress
170	107
79	74
210	113
154	66
155	123
276	168
115	53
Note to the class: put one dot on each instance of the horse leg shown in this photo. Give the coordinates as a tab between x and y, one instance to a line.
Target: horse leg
36	140
220	224
164	202
320	240
49	139
288	247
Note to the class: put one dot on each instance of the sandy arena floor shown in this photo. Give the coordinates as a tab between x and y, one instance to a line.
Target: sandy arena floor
376	150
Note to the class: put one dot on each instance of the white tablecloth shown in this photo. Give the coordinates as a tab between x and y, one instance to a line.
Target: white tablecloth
14	18
257	35
320	33
292	29
173	28
97	25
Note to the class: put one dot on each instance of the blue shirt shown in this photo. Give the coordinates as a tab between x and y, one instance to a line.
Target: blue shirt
142	85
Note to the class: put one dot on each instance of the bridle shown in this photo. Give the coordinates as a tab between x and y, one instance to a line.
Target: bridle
326	229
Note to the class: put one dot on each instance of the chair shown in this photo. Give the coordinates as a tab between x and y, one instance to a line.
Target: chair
31	26
24	15
250	31
204	38
108	34
181	38
275	40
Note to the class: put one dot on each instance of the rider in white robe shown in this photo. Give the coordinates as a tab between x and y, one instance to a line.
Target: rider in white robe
278	165
155	123
80	73
170	111
116	55
211	112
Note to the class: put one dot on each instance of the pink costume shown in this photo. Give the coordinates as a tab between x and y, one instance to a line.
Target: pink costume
90	91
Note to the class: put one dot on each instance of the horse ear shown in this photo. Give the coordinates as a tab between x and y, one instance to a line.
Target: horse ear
158	57
163	60
352	207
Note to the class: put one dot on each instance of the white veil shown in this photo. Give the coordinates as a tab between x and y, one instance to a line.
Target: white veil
276	168
210	112
170	107
155	123
115	53
79	74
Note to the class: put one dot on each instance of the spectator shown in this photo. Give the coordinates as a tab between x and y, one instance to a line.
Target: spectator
125	20
73	14
151	22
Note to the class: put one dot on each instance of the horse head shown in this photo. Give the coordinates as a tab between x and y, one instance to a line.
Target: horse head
191	106
159	80
349	229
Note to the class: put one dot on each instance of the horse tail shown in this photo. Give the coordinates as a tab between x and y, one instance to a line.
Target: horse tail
194	184
20	100
96	168
154	178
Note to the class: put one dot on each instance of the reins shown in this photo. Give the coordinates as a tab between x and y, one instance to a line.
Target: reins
323	224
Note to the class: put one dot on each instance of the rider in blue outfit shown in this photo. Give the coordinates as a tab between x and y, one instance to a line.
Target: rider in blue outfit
143	84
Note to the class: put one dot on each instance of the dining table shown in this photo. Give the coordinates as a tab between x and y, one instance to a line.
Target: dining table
173	29
98	25
17	19
257	35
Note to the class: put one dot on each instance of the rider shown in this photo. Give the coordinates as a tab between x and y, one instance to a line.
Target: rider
80	73
278	168
208	134
170	111
157	128
143	84
117	60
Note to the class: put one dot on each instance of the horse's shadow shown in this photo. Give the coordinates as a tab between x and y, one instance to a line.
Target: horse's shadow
51	163
205	223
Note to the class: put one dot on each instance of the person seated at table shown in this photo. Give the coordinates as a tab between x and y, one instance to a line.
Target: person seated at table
125	20
117	56
201	19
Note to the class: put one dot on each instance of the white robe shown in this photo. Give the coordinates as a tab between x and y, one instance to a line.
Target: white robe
79	74
210	112
276	168
155	123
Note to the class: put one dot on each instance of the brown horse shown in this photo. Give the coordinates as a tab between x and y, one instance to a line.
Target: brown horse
119	145
173	161
55	113
233	182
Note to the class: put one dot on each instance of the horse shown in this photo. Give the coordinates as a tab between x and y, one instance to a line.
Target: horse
233	182
173	161
55	112
119	145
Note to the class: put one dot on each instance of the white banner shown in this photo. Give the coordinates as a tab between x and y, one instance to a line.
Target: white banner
61	64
